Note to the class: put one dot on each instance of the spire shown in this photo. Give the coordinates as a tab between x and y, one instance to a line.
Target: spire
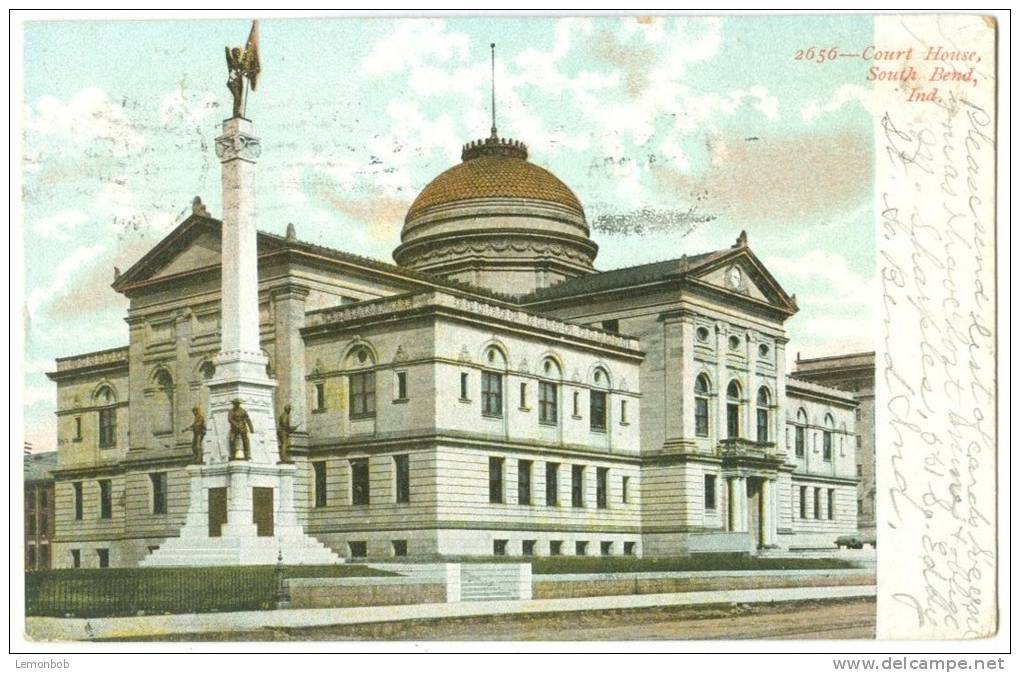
492	83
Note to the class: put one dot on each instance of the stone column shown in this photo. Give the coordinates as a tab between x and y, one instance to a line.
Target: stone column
687	377
751	409
238	149
674	410
732	508
182	374
289	310
783	445
742	504
139	430
721	381
765	514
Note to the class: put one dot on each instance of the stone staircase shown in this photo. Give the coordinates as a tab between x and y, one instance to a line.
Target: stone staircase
215	551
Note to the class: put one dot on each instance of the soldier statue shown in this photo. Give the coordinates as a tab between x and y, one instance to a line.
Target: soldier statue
240	426
283	430
243	64
197	429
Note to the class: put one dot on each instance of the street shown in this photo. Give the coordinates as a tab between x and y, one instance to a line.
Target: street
835	619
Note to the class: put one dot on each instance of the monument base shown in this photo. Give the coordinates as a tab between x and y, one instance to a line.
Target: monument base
241	514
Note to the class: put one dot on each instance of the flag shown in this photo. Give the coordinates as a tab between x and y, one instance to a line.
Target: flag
252	67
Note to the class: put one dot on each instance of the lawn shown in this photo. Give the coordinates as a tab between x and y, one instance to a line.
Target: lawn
129	591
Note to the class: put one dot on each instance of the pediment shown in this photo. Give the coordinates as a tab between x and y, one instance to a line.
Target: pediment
202	251
741	273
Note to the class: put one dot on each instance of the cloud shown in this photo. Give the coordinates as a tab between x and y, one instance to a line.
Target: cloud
61	282
843	96
778	179
59	226
89	118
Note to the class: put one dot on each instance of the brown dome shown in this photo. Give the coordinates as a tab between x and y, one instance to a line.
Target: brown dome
494	169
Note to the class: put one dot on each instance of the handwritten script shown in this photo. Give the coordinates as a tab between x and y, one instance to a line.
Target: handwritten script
936	366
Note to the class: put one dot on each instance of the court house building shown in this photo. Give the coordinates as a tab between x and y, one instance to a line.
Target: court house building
489	393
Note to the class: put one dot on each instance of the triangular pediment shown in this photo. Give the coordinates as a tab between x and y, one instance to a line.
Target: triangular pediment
739	272
194	245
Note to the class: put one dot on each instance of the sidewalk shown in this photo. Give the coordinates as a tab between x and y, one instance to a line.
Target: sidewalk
52	628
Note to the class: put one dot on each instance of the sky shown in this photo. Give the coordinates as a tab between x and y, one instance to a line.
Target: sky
675	133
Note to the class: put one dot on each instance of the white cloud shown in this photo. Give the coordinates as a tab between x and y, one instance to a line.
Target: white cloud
187	107
59	226
844	95
412	43
61	279
88	118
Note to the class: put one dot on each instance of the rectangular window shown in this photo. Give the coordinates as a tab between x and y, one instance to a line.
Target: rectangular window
732	421
402	468
601	487
523	482
830	503
701	416
463	385
623	411
158	480
612	325
30	557
79	501
581	548
400	547
77	428
30	516
495	479
524	395
803	502
105	499
107	428
401	385
499	547
320	396
319	474
597	410
710	491
799	441
860	507
76	558
492	394
577	404
362	387
860	470
547	406
858	441
857	413
818	503
628	548
827	445
556	548
528	548
763	426
103	556
625	490
44	556
606	548
577	485
359	482
358	548
552	485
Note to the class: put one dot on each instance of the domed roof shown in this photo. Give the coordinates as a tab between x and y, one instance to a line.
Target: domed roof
494	168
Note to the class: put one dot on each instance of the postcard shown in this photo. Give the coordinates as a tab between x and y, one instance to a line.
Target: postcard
507	328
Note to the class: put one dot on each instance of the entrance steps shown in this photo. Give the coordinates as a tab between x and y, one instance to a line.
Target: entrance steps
217	551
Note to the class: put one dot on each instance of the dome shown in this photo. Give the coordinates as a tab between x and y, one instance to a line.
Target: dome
497	221
487	172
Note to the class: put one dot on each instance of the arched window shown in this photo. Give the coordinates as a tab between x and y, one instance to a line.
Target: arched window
163	409
733	410
764	400
597	400
360	384
702	388
827	437
106	398
548	393
800	431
